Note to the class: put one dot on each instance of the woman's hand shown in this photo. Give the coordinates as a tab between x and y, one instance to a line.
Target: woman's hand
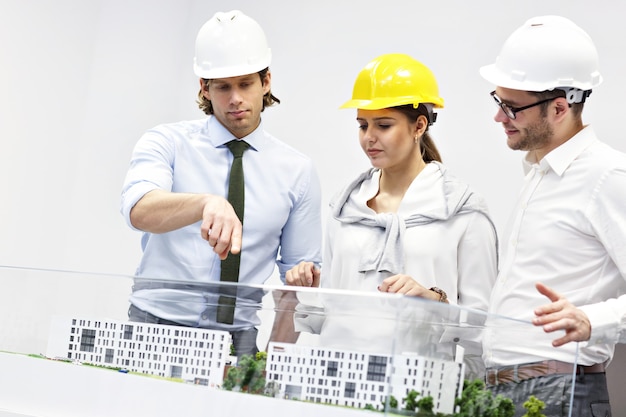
305	274
404	284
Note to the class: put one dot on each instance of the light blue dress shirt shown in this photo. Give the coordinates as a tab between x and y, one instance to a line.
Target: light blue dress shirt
282	224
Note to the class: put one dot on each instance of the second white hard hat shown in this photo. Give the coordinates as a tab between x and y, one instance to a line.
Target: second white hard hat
545	53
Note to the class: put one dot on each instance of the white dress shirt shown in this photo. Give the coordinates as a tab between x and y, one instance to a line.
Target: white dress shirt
568	231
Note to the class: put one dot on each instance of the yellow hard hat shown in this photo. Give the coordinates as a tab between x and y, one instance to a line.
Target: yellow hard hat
392	80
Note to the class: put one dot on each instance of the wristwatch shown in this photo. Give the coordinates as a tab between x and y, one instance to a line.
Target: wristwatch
443	297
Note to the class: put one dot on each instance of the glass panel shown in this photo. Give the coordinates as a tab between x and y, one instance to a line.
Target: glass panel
66	340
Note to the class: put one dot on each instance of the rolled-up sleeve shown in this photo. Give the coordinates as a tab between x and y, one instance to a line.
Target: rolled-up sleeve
150	169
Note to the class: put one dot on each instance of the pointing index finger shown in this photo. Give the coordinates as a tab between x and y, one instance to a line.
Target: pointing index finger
548	292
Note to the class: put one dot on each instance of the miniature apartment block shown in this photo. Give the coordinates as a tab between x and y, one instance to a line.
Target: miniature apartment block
354	379
191	354
199	356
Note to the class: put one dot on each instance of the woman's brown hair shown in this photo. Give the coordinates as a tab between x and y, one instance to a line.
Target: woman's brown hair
429	150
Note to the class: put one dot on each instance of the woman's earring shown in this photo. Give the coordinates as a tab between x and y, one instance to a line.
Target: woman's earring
416	138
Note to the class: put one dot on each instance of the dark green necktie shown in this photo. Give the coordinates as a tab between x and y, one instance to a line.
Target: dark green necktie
230	265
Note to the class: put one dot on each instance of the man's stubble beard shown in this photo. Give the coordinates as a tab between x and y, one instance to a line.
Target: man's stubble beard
533	137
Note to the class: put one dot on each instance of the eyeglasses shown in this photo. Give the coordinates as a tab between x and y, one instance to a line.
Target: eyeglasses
511	111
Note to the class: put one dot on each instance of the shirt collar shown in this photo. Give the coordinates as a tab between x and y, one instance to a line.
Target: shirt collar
218	135
562	156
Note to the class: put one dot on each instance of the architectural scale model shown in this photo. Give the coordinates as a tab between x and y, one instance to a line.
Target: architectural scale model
199	356
353	379
194	355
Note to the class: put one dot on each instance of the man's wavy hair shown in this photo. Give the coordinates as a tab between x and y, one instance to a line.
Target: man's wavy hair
205	105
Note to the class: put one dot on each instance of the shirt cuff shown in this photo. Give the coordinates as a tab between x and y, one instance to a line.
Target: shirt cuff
604	323
131	196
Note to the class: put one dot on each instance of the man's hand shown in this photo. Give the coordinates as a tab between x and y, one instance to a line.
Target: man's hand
560	314
305	274
221	226
160	211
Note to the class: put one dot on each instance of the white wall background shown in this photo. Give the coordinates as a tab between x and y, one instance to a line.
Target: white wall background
81	80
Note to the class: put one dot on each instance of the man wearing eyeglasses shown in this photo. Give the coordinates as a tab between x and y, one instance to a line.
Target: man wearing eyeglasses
563	263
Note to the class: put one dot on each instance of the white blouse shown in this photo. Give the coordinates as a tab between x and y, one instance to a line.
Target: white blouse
458	255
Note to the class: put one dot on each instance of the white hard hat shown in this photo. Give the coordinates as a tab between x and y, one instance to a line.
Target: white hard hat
545	53
230	44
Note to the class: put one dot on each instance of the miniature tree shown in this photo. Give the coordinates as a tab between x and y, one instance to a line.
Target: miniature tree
393	403
253	380
233	379
247	375
504	406
467	401
425	406
410	401
476	401
534	407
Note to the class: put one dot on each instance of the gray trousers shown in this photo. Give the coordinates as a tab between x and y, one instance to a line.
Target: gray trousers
591	397
244	341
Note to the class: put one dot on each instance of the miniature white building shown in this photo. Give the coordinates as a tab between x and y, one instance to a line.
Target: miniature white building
353	379
315	374
191	354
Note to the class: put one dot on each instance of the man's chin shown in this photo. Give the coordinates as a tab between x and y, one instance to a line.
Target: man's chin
515	145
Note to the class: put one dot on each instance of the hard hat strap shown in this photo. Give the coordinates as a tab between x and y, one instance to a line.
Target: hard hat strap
575	95
432	116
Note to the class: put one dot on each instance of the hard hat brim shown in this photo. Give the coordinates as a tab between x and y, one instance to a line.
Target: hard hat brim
385	103
518	81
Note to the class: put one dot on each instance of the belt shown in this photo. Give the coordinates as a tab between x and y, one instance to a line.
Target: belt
522	372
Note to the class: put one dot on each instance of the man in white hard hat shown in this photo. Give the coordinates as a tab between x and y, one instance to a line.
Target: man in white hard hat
563	263
175	192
